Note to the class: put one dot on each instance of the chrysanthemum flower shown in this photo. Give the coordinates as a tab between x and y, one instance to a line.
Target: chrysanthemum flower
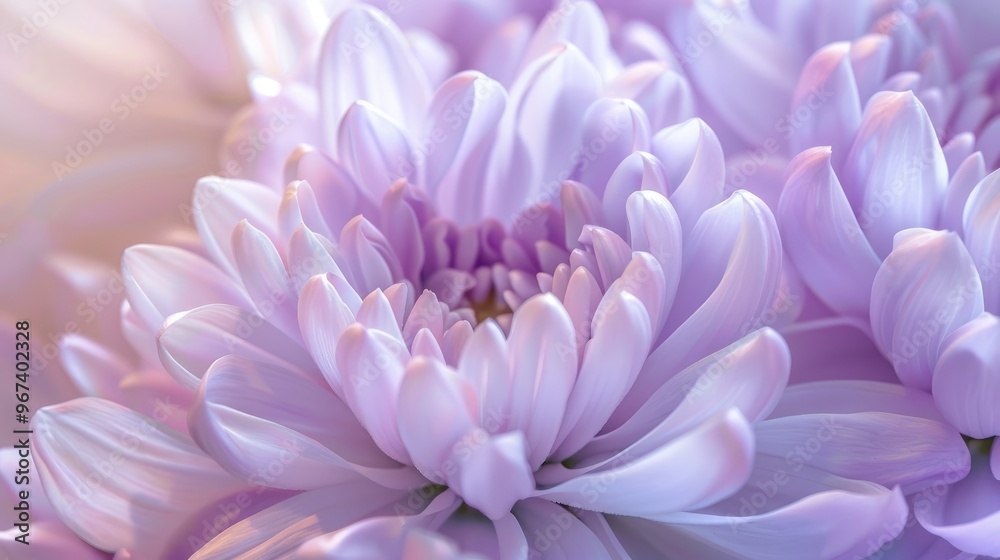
516	325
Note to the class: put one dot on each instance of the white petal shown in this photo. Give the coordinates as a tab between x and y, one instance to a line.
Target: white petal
663	93
966	383
326	308
611	130
963	180
265	278
638	172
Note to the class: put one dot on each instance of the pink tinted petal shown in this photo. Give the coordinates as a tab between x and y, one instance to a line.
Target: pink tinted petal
371	366
338	196
484	364
982	231
265	278
957	150
293	421
426	314
611	130
963	180
349	72
822	236
220	203
653	227
895	173
607	371
966	383
279	530
531	150
581	24
462	120
139	504
925	290
825	104
369	256
662	92
161	281
377	313
300	207
375	149
310	254
706	464
968	515
639	171
542	371
869	61
326	309
695	164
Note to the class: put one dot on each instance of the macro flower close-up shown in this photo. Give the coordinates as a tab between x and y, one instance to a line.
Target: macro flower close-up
452	279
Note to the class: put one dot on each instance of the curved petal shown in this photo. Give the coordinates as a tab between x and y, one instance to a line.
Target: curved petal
371	364
254	419
189	342
705	464
362	47
112	474
153	274
966	383
826	109
375	149
531	157
662	92
748	375
638	172
542	371
461	123
926	289
607	371
611	130
822	236
220	203
264	276
369	256
895	173
963	180
982	230
280	530
732	270
968	514
695	164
